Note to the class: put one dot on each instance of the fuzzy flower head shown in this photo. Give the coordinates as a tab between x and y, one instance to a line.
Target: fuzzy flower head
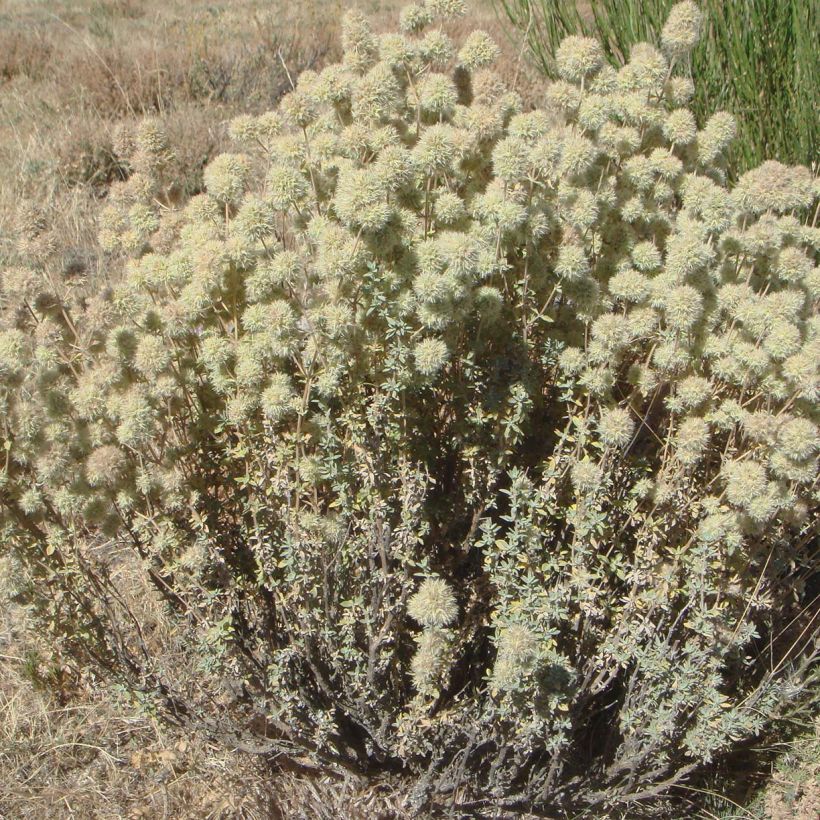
479	51
152	356
680	127
449	208
414	18
277	398
691	440
226	177
446	8
682	30
774	187
433	604
744	480
286	187
430	356
799	439
516	656
358	42
578	57
586	476
437	95
616	427
105	466
430	663
716	136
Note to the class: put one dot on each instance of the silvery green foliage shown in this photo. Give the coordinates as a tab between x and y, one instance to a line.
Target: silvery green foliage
467	441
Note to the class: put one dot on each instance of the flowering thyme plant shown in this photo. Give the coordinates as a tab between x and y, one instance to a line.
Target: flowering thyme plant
466	442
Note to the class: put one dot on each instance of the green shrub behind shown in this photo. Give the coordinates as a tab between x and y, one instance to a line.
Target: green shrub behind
468	444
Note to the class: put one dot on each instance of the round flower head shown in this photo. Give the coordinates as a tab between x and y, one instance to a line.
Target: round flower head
446	8
774	187
136	418
152	147
436	48
375	95
793	265
152	355
143	219
680	127
495	207
151	138
682	30
31	501
256	218
449	208
612	332
645	71
277	398
679	90
430	356
430	663
564	96
572	262
479	51
716	136
396	51
226	176
799	439
437	95
286	187
629	285
618	141
517	653
577	155
594	111
744	480
299	107
615	427
683	306
646	256
244	128
433	604
572	360
691	440
511	159
435	150
586	476
12	352
361	200
105	466
335	85
578	57
358	42
268	126
693	391
414	18
783	339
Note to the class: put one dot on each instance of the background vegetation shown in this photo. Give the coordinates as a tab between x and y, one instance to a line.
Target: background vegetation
767	48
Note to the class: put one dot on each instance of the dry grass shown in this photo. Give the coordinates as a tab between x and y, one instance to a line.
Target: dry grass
73	747
71	72
70	748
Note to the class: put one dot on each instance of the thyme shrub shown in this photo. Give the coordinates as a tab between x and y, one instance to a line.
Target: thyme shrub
466	443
